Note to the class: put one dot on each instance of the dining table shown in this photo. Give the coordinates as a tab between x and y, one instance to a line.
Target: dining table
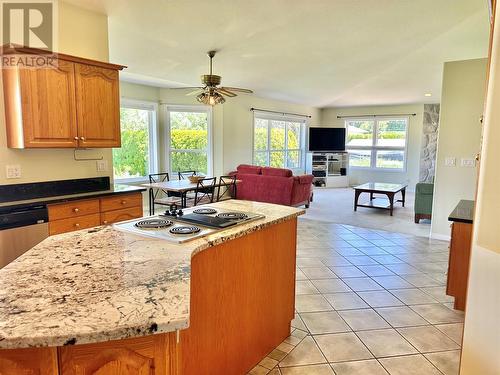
182	187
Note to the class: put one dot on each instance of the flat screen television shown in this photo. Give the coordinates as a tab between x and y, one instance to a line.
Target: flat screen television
327	139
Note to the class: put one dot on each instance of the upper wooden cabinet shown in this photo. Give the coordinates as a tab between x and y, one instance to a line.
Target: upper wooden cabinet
76	104
98	106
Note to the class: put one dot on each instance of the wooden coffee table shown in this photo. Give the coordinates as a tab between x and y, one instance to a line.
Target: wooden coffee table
379	188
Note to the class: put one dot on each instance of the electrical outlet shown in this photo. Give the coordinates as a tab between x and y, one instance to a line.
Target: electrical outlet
102	165
450	161
468	162
13	171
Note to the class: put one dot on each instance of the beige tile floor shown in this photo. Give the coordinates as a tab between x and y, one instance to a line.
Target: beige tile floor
368	302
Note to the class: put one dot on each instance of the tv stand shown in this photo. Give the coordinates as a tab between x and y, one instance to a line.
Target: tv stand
330	169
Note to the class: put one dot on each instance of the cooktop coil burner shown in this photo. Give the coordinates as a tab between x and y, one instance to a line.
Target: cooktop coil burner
205	211
185	230
232	215
153	224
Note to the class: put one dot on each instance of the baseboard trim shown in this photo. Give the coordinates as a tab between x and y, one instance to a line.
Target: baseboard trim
442	237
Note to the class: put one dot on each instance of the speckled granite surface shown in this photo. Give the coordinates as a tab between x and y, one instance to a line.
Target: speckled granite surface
101	284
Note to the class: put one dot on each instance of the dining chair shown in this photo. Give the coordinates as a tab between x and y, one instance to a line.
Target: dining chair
227	187
185	174
205	190
160	196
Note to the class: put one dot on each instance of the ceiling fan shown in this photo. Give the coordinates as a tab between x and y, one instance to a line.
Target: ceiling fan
210	93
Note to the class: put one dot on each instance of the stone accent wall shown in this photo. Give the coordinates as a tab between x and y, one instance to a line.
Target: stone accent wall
429	143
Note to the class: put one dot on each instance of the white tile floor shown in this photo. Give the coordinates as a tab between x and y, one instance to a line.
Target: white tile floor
368	302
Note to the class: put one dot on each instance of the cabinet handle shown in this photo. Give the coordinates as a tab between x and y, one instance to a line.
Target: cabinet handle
82	138
123	202
77	225
76	138
104	221
76	209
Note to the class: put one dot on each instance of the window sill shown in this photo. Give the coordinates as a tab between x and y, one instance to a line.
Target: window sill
370	169
132	180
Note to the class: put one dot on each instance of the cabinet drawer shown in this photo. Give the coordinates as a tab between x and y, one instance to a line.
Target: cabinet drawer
111	217
119	202
73	223
73	209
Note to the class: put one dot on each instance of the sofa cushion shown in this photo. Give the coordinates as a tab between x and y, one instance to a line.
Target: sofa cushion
278	172
249	169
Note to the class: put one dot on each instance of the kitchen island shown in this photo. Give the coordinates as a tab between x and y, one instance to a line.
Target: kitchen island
101	301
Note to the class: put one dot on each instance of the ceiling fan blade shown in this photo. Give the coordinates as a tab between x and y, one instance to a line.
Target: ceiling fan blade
223	91
198	91
237	89
185	88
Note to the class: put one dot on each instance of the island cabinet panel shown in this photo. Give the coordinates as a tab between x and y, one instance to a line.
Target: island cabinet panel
149	355
98	106
36	361
242	301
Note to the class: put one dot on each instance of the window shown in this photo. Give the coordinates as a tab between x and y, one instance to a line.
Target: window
136	158
378	143
278	141
189	140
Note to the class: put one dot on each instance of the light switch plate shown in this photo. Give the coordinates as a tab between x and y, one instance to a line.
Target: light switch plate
450	161
102	165
468	162
13	171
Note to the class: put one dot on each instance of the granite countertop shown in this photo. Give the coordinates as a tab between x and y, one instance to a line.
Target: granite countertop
115	189
101	284
463	212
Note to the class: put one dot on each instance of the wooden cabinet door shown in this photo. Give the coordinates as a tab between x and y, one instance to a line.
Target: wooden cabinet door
98	106
30	361
49	110
149	355
115	216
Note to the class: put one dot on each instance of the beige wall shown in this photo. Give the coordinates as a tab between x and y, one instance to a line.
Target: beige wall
481	344
232	132
462	104
81	33
410	176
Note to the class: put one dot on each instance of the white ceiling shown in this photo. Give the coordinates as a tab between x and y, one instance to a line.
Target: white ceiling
315	52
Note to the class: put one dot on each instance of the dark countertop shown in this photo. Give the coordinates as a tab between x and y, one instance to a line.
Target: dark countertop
463	212
114	190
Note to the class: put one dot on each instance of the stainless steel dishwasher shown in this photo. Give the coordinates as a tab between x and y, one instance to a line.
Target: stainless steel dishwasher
21	228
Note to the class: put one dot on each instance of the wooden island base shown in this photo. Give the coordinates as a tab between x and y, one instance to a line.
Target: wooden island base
242	304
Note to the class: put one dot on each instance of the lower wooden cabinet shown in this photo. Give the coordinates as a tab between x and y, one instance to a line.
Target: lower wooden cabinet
149	355
88	213
74	223
115	216
458	266
30	361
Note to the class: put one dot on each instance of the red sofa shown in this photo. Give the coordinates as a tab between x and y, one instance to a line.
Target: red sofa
273	185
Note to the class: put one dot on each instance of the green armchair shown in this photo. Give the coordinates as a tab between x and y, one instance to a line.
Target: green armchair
423	201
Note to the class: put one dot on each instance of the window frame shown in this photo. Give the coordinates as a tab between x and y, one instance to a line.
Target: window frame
286	118
153	131
168	147
374	147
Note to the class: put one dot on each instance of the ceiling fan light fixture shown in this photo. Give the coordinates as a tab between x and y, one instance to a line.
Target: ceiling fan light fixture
210	98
